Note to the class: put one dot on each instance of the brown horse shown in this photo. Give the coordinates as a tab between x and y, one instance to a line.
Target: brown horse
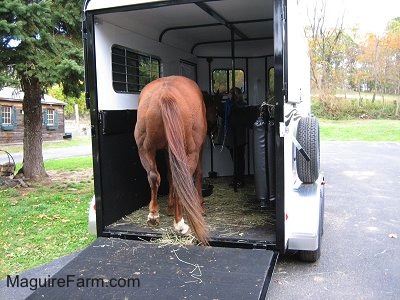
171	116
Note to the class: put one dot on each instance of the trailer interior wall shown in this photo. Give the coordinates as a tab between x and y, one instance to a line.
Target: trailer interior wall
107	35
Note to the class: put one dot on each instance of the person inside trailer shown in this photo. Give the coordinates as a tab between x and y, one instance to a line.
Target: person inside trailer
232	134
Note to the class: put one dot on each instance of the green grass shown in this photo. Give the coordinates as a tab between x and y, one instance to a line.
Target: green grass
69	164
66	164
360	130
46	221
75	141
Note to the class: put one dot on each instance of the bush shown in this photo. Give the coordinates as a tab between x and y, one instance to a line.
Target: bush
341	109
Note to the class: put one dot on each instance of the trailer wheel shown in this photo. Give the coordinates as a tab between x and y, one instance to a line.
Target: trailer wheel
308	137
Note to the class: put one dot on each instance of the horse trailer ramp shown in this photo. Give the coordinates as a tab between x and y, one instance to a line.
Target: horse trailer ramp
124	269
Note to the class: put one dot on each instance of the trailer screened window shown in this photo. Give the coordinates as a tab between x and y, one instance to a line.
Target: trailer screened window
222	80
131	71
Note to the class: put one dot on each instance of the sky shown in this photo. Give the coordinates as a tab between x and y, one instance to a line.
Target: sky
370	16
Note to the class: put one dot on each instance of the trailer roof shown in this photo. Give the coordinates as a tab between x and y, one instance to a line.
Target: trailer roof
199	27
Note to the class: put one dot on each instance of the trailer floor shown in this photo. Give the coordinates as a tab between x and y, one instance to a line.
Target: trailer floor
230	215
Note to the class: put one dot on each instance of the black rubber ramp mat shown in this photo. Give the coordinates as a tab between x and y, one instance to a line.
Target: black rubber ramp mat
113	268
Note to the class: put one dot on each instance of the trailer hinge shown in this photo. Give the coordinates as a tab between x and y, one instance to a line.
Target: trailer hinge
284	13
285	92
84	31
283	129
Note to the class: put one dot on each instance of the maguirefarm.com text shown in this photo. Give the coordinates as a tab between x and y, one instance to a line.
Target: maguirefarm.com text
34	283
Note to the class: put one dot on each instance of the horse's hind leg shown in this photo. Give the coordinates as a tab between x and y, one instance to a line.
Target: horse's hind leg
179	223
149	163
153	219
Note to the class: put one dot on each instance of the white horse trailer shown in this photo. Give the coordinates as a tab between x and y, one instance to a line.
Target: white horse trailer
261	44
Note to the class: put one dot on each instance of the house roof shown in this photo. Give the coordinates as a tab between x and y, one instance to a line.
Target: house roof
13	94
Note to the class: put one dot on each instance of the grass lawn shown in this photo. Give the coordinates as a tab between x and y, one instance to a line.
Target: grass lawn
360	130
76	141
46	221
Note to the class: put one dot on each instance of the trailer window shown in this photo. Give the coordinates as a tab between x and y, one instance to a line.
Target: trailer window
131	71
222	80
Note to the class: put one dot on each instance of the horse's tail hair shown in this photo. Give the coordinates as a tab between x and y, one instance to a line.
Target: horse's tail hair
181	175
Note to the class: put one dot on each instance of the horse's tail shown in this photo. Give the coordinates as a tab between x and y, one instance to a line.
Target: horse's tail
181	175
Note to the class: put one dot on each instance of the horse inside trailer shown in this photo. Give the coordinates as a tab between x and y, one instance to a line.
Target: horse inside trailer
255	47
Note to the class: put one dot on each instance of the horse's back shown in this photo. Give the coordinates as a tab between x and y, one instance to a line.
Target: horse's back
184	90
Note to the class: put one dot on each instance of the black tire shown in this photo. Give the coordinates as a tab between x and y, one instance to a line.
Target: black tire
308	137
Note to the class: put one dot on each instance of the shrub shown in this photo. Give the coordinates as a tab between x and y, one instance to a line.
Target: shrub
342	109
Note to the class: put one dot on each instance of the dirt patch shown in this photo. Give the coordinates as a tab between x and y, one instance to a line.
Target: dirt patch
54	177
70	176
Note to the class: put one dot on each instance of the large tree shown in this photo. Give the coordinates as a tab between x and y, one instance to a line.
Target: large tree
40	46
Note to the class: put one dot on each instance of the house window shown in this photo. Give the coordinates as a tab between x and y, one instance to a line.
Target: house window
131	71
50	117
6	115
222	80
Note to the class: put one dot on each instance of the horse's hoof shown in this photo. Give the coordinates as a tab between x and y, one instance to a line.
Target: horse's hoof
181	227
153	220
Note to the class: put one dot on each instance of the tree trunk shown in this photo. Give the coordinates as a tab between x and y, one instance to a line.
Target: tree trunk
33	166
